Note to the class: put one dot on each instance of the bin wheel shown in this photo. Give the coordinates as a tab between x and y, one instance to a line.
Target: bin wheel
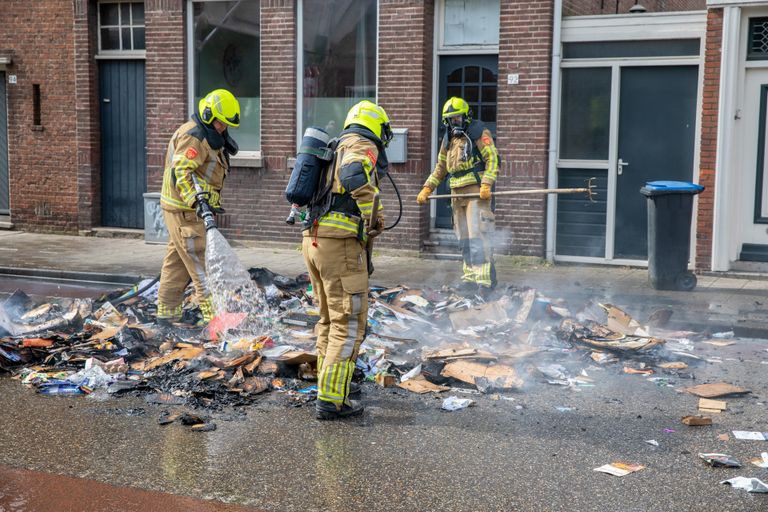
686	282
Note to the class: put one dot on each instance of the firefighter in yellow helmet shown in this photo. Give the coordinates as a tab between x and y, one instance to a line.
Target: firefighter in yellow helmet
468	157
335	237
196	164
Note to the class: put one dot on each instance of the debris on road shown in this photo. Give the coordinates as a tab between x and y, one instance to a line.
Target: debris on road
421	340
716	390
748	484
619	468
454	403
720	460
750	436
696	421
712	406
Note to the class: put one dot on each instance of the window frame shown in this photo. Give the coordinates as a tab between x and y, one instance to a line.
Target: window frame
246	158
444	49
120	53
300	65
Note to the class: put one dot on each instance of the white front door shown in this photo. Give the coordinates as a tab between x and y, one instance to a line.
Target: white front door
751	174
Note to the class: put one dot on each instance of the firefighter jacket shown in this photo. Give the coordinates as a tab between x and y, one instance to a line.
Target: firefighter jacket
467	159
195	149
355	183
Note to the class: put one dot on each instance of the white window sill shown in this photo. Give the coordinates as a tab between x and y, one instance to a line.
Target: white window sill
250	159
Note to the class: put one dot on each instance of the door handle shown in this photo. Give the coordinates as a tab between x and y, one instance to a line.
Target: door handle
106	100
620	166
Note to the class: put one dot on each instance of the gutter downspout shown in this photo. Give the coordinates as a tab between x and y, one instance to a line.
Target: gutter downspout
554	112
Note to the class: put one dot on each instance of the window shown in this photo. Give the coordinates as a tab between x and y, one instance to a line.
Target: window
226	55
471	22
339	60
121	26
585	113
758	39
37	118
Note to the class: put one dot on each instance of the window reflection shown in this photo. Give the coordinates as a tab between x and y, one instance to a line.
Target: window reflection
339	57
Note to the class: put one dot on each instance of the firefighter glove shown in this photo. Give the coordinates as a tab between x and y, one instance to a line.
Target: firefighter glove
423	196
485	191
202	207
378	227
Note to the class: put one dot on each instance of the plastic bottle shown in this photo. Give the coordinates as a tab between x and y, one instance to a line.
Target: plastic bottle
61	389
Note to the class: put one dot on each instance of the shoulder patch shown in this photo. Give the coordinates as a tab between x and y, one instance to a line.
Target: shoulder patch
371	157
487	140
191	153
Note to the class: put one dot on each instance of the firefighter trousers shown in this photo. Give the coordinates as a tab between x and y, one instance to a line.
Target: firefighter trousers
473	223
184	260
338	270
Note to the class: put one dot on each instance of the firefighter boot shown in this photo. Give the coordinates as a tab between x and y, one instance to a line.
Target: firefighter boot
330	411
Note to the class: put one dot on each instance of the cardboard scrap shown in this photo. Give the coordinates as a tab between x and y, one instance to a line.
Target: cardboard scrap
619	321
297	357
421	385
720	343
487	377
529	297
696	421
491	312
619	468
182	353
638	371
385	380
713	406
674	365
450	352
715	390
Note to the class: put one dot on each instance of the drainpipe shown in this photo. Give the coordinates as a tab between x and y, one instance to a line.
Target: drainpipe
554	110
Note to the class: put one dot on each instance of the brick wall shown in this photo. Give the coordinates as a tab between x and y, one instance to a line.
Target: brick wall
525	47
166	81
708	155
591	7
43	164
87	139
406	31
254	198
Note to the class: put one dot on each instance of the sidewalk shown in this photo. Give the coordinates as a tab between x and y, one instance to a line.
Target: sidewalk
718	303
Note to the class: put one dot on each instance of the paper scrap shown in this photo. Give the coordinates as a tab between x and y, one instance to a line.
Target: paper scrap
619	468
749	436
748	484
454	403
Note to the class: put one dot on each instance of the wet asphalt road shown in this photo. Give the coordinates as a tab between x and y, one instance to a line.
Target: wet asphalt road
406	454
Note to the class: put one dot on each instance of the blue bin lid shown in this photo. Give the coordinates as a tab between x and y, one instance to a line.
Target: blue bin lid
673	186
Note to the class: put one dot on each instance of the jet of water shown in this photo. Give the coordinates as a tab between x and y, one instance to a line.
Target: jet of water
233	291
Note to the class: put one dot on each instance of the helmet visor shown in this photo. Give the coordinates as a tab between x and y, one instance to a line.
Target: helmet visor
386	134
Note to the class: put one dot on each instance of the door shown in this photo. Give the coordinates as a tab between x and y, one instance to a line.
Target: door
657	127
5	202
474	78
752	205
123	142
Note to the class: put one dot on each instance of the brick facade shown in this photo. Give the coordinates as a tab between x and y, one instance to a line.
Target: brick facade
55	173
708	152
166	79
42	160
592	7
525	47
254	198
88	170
406	32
